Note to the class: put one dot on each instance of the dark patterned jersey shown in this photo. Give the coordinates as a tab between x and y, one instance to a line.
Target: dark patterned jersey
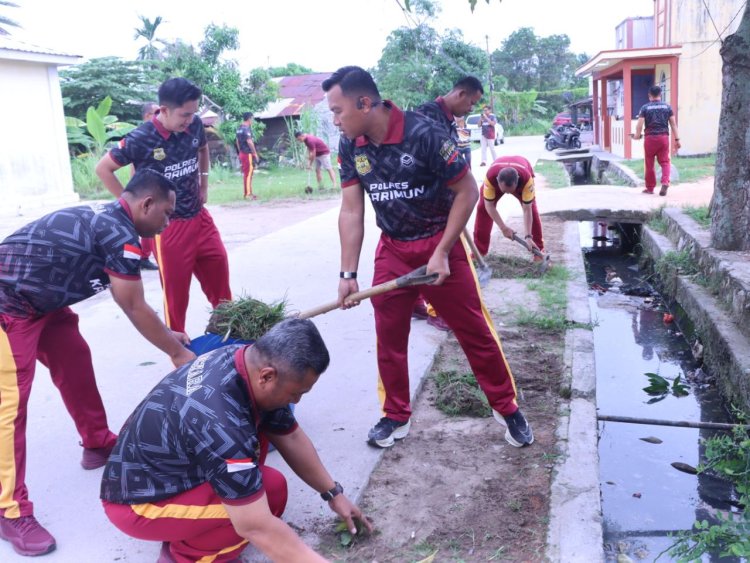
244	136
524	187
199	425
407	175
67	256
656	116
438	111
175	155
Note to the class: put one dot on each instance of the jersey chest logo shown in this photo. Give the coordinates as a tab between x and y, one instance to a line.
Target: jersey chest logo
362	164
159	154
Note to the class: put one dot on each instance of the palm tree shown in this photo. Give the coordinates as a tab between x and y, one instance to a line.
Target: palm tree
149	52
4	21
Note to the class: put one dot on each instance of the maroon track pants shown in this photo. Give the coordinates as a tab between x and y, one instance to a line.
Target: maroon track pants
656	146
55	341
187	247
194	522
248	166
483	227
460	304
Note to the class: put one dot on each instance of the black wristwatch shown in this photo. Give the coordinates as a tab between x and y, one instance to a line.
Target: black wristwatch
337	490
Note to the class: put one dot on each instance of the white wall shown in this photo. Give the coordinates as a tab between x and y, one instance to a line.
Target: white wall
34	164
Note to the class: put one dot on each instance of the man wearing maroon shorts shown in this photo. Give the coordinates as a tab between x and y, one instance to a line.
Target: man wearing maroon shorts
45	267
423	194
189	466
658	117
173	143
509	175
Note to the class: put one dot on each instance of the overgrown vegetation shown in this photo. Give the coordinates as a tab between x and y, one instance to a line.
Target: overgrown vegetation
657	222
458	394
700	214
554	172
726	456
552	291
245	318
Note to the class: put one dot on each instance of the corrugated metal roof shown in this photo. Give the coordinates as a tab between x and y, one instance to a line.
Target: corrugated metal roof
12	48
295	92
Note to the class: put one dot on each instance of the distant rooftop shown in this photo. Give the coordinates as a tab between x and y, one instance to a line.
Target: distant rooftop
295	92
11	48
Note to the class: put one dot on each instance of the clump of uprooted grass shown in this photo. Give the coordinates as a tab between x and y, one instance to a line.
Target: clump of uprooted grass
245	318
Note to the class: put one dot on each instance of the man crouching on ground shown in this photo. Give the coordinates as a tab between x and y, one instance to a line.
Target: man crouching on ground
189	465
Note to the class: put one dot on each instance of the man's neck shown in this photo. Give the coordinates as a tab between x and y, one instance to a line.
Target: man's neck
380	121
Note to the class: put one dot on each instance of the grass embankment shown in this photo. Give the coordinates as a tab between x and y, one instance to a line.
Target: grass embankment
554	172
689	168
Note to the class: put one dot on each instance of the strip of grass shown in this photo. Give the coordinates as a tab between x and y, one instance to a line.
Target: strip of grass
690	168
552	291
224	185
699	214
554	173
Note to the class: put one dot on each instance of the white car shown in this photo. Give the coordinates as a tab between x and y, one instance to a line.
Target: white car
472	124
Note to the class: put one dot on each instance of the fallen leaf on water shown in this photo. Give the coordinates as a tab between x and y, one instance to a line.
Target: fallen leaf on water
651	440
684	467
147	363
637	495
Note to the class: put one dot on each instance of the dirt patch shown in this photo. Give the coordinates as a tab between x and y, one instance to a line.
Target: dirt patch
454	488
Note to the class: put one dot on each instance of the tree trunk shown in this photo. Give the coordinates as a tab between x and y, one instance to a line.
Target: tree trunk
730	205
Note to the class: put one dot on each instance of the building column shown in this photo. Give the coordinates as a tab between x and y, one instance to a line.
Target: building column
606	144
627	85
595	117
673	94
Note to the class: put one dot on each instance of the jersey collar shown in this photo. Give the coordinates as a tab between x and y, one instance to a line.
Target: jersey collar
395	132
126	207
440	101
160	128
239	363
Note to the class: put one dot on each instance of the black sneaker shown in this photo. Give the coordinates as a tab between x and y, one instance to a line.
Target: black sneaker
147	264
518	431
386	432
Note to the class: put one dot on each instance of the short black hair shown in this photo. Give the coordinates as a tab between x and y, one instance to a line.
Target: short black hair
508	176
655	91
148	107
298	134
247	115
175	92
353	81
146	181
293	347
470	84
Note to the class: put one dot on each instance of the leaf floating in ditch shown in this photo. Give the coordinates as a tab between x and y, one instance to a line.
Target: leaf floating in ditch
657	384
678	389
147	363
684	467
651	440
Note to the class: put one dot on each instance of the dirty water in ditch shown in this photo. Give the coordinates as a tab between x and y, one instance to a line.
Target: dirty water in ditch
644	498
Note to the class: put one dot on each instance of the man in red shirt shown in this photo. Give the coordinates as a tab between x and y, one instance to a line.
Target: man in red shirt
319	153
509	175
247	154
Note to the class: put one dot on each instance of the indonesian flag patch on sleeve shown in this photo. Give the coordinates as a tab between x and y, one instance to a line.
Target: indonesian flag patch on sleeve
235	465
132	252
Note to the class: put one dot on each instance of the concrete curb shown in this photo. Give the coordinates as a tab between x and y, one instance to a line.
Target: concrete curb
575	528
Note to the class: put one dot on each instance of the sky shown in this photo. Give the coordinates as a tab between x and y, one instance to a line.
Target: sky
322	35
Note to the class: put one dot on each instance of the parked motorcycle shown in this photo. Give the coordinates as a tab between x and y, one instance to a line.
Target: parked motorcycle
566	136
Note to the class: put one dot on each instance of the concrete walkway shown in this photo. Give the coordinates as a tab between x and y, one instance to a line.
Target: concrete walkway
299	263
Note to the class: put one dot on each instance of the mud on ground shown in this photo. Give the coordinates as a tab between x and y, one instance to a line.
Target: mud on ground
454	488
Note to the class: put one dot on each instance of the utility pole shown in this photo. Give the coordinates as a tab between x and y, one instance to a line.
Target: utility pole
489	73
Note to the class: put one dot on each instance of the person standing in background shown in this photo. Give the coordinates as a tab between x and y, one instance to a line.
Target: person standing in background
247	154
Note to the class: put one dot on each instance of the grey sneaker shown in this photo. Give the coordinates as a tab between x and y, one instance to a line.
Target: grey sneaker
518	431
387	431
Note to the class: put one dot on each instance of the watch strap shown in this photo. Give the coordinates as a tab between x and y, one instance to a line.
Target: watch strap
336	490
